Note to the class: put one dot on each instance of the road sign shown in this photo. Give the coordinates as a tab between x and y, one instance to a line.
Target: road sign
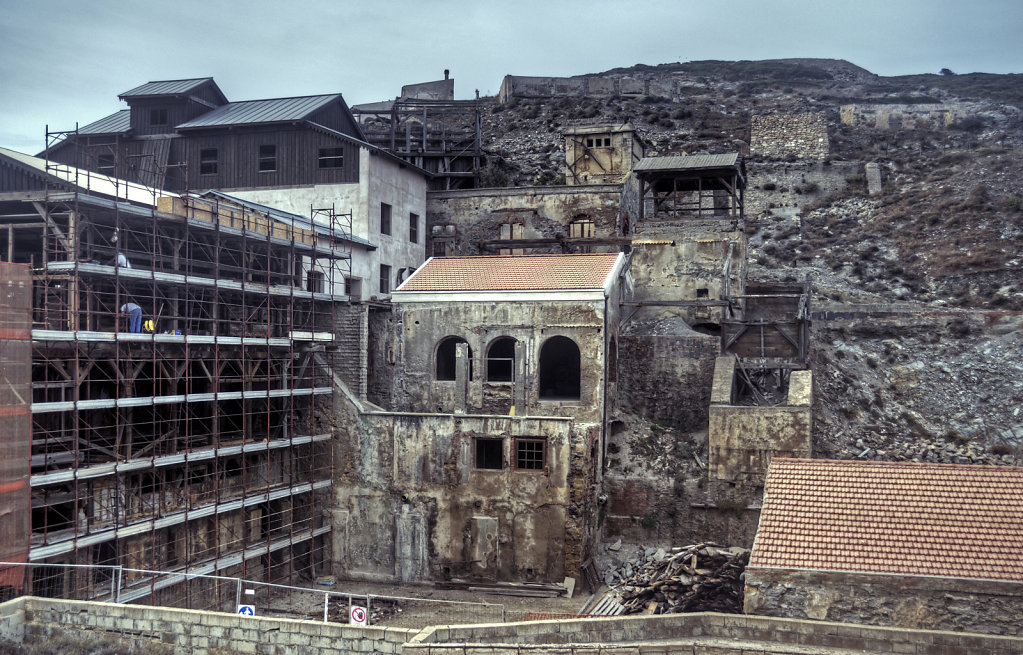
358	616
247	610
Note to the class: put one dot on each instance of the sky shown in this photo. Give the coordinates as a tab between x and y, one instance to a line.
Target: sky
66	61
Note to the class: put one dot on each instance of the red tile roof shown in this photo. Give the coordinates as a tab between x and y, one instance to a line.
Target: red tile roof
513	273
943	520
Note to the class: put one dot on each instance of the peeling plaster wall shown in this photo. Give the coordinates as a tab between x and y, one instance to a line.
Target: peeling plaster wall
411	504
460	219
744	438
913	602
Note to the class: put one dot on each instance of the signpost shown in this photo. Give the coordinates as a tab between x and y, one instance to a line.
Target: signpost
247	610
358	616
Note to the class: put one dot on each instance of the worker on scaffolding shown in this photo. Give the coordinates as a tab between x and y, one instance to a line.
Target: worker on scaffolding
134	314
122	261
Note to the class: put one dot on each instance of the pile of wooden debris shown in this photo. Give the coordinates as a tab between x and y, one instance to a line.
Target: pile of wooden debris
698	578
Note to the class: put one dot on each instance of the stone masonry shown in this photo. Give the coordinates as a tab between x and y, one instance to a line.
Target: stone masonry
782	136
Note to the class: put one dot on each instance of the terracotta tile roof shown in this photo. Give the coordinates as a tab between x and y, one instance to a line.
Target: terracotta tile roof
513	273
943	520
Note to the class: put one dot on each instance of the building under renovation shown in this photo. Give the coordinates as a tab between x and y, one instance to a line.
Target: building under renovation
181	387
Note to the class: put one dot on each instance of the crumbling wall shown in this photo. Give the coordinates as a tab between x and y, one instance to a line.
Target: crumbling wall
521	86
460	220
781	136
912	602
413	503
743	439
351	360
381	355
904	117
783	189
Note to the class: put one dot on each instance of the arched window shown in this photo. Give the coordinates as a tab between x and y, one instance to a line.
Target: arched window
501	360
446	358
559	369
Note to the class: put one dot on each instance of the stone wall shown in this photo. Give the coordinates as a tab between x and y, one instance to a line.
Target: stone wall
520	86
915	602
785	136
904	117
351	359
783	189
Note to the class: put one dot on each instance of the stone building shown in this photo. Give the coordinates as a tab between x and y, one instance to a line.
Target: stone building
933	546
485	463
601	154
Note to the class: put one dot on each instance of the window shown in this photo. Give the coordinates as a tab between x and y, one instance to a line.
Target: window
440	249
353	287
267	158
501	360
512	231
703	293
332	157
559	369
589	143
529	454
314	281
208	161
158	116
385	218
385	278
607	142
413	228
582	228
446	360
106	165
488	453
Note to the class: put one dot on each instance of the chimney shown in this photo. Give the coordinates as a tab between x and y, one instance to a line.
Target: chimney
446	73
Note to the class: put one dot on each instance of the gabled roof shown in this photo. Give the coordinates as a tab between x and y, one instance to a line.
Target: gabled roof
116	123
275	110
170	88
687	162
944	520
514	273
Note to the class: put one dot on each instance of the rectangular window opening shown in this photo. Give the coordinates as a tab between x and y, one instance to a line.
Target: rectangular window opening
158	116
332	158
267	158
385	278
208	161
413	228
385	218
314	281
529	454
489	453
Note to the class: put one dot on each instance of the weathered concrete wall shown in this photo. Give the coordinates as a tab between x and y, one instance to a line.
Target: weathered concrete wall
193	631
600	154
896	117
424	325
519	86
688	260
781	136
461	219
667	377
381	180
413	504
744	438
916	602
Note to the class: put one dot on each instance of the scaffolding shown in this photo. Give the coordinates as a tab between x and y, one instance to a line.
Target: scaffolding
182	390
444	137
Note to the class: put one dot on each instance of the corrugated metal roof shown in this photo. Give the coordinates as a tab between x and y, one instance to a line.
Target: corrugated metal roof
900	518
294	219
275	110
116	123
685	162
166	87
513	273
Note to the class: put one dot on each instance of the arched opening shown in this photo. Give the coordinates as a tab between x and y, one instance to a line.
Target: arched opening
446	358
501	360
559	369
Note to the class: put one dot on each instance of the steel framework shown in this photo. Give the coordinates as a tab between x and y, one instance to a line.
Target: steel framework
201	443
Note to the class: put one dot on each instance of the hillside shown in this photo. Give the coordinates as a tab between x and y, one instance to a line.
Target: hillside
941	377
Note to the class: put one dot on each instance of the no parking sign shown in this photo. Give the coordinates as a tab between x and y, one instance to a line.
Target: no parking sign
358	616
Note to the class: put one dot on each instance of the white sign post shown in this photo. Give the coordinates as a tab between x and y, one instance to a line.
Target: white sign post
247	610
358	616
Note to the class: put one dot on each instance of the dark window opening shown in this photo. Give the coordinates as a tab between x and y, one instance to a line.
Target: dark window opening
158	116
559	369
529	454
446	364
353	287
385	278
107	165
713	329
314	281
703	293
385	218
581	228
413	228
208	161
332	157
607	142
267	158
440	249
489	453
501	360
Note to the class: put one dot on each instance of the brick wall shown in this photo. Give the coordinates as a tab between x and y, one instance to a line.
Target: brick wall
350	361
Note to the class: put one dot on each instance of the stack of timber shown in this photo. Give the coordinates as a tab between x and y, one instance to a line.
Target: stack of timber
699	578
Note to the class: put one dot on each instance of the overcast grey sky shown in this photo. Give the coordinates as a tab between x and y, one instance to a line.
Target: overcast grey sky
63	61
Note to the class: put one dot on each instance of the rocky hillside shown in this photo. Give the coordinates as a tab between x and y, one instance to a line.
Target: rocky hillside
933	371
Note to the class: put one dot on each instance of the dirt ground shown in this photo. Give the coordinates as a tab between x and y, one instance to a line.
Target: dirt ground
419	606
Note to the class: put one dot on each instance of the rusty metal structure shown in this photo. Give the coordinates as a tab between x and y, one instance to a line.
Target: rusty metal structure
444	137
181	386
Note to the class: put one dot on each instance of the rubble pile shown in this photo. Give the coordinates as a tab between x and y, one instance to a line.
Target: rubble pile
698	578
